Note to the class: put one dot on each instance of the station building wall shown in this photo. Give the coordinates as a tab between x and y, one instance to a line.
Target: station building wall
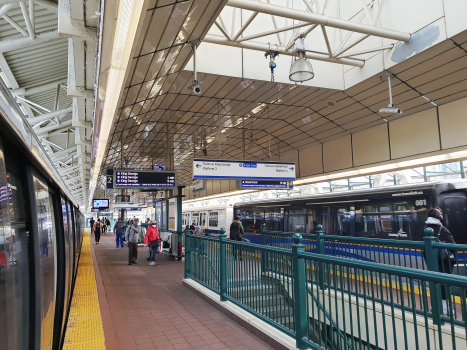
439	130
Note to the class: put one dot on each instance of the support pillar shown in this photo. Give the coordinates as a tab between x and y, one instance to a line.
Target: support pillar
180	221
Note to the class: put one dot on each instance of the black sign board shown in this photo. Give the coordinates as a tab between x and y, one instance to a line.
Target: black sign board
122	198
142	179
264	184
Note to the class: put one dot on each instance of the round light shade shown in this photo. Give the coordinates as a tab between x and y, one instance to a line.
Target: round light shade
301	70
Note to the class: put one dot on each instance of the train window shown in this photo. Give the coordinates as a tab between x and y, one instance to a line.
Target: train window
343	221
46	237
14	268
385	209
273	219
297	223
251	218
213	218
297	211
311	224
326	219
456	217
387	226
401	207
195	219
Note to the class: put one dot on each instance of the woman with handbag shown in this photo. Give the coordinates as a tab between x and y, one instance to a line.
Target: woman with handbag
446	257
152	239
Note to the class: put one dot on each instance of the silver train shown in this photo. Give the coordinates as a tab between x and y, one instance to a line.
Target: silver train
40	238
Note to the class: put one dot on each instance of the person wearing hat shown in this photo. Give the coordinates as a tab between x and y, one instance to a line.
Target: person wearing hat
131	236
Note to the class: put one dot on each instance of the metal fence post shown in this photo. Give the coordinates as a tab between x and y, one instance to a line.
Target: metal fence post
320	250
187	253
223	267
299	292
431	255
263	253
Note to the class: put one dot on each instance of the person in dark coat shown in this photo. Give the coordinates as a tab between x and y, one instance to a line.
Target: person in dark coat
91	224
236	233
435	222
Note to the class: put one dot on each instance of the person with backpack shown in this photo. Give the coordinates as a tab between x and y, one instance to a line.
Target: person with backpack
119	230
108	224
97	228
446	257
236	232
131	235
152	239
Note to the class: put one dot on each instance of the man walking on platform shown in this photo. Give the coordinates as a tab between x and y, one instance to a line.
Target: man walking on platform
236	232
119	232
91	224
131	235
97	230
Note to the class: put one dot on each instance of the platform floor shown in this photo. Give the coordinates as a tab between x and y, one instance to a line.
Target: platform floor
146	307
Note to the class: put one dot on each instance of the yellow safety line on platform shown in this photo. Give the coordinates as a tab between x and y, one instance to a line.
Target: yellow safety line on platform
84	329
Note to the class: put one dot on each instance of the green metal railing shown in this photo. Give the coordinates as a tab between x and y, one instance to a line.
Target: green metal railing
332	302
391	252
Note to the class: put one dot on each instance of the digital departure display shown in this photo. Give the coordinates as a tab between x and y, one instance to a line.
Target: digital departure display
266	184
145	179
100	203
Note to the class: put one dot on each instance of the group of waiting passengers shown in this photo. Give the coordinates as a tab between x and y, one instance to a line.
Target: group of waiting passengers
130	234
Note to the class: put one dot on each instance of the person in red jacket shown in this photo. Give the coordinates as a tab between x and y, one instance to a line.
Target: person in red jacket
152	239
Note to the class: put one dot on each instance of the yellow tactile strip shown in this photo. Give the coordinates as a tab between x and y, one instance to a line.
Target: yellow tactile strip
84	329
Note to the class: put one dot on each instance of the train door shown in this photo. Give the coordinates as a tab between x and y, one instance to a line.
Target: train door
342	221
455	215
16	277
67	258
44	233
203	219
326	221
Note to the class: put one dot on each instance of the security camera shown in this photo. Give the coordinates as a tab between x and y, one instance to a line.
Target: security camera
390	110
197	90
195	87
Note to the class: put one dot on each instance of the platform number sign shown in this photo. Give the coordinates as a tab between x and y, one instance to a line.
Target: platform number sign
160	194
110	179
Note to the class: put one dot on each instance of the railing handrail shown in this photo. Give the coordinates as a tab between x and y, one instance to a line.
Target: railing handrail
376	241
400	271
304	275
267	249
304	235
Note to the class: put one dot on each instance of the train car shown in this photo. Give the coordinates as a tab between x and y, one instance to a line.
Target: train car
208	218
40	238
396	212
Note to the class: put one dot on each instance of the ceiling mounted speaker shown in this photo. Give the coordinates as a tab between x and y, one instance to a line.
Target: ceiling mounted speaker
330	103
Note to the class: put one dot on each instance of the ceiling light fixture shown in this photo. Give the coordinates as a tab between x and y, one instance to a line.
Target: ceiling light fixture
301	69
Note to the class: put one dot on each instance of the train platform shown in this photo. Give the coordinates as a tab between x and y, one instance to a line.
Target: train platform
144	307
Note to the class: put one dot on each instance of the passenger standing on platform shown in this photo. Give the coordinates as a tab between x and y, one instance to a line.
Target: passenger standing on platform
91	224
119	232
97	228
104	225
435	221
152	239
131	235
236	232
107	222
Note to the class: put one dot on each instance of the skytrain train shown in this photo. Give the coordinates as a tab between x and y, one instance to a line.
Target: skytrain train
395	212
40	238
